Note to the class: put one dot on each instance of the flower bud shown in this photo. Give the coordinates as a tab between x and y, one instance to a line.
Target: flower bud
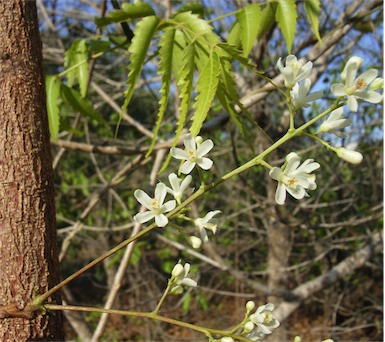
177	270
378	83
250	305
198	140
350	156
227	339
248	326
195	242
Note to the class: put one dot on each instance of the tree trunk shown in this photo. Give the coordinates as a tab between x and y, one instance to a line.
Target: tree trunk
28	250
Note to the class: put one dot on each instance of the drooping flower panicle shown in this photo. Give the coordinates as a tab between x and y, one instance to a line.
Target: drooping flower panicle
294	178
357	87
155	205
193	154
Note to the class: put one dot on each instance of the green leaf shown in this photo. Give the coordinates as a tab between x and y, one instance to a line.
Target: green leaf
286	16
80	104
194	7
178	55
207	84
165	68
234	35
267	19
196	28
143	34
76	59
236	54
313	13
52	86
248	19
128	11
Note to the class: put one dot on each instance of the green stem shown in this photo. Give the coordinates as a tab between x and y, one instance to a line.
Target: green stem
161	300
150	315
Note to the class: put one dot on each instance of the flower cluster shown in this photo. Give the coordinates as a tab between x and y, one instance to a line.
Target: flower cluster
194	154
292	177
259	323
179	278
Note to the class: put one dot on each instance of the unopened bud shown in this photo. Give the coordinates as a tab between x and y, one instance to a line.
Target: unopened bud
350	156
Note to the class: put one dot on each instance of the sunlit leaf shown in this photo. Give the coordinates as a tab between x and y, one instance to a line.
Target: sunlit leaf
313	11
267	19
52	86
128	11
206	88
143	34
76	60
286	16
248	19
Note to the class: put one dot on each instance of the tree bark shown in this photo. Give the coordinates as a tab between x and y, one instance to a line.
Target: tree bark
28	250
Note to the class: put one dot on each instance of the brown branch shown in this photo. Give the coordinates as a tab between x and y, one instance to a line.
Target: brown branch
344	268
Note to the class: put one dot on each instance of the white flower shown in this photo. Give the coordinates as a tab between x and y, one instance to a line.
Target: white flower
192	154
155	206
356	88
208	222
294	71
177	187
264	320
300	96
179	278
294	178
335	121
353	157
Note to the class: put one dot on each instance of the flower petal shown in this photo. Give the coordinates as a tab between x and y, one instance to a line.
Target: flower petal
161	220
205	148
144	217
338	89
352	103
205	163
143	198
280	194
160	192
187	167
189	142
178	153
168	206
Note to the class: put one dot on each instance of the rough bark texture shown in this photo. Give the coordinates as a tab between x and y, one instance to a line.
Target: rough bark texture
28	251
